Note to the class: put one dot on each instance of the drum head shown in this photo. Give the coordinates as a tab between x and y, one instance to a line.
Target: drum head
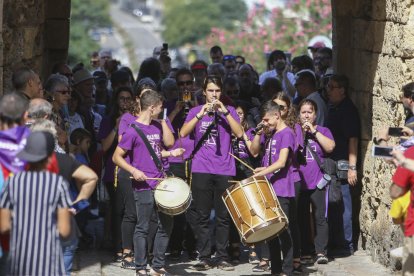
171	192
264	232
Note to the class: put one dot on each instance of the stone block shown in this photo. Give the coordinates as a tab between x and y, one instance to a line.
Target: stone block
398	11
368	35
31	42
362	76
57	9
391	71
57	34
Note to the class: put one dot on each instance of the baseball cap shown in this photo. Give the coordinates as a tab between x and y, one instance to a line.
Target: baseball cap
39	146
100	76
317	45
81	75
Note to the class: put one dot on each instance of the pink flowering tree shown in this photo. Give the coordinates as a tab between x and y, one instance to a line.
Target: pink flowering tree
288	29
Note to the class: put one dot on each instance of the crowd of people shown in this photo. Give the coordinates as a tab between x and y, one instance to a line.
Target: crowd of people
89	144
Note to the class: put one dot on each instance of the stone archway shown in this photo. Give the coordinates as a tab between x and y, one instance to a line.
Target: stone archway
33	33
373	45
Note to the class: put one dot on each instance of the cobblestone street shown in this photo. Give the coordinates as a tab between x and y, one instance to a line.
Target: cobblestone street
100	263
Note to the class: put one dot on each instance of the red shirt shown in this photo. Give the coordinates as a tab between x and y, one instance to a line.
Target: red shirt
405	179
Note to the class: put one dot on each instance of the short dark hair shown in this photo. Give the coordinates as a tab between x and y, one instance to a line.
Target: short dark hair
183	71
12	108
21	77
213	79
216	49
308	77
269	106
408	90
78	135
303	62
341	80
150	97
308	102
326	51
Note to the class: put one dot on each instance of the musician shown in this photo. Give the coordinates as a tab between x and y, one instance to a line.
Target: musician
141	166
212	167
276	165
320	140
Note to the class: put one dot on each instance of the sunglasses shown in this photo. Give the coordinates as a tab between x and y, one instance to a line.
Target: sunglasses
181	83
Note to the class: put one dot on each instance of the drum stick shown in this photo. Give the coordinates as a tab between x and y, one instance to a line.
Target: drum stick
181	143
150	178
241	161
163	190
233	181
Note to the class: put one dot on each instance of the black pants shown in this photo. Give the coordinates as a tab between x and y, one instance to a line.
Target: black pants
207	191
284	242
315	197
125	211
183	229
294	222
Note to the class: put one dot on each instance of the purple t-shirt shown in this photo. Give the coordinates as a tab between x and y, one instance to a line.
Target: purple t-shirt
311	173
138	154
298	143
107	125
125	121
282	181
213	156
240	149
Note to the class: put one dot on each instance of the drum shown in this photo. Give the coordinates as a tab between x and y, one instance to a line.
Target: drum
255	210
172	196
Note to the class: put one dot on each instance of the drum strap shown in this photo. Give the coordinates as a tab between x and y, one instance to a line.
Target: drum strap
197	147
314	155
150	149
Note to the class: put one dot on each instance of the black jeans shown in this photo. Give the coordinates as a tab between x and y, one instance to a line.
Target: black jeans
147	211
207	191
284	242
182	230
317	198
125	212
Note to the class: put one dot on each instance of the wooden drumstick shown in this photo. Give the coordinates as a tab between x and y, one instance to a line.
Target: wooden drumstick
150	178
241	161
233	181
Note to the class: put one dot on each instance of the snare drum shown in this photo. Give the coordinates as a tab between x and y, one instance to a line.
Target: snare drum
255	209
172	196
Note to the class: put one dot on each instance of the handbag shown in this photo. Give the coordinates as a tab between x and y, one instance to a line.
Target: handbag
329	167
342	169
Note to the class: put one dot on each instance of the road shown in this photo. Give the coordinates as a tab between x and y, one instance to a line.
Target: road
143	36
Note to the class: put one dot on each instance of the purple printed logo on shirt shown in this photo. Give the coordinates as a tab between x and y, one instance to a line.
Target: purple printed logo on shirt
212	136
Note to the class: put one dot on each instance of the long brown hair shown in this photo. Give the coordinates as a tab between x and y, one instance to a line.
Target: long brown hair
244	124
290	117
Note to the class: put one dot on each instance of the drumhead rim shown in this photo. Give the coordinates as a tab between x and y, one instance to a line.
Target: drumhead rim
246	181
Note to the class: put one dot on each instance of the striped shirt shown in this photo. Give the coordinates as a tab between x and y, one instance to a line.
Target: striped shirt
34	198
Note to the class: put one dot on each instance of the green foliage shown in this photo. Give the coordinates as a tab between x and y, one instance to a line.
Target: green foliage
288	29
86	15
190	20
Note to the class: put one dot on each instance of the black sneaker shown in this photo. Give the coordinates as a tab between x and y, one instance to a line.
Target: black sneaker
201	266
226	266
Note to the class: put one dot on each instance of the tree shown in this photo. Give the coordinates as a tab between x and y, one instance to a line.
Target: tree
190	20
85	16
287	29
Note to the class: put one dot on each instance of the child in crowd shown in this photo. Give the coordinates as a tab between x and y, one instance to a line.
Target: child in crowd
81	141
398	213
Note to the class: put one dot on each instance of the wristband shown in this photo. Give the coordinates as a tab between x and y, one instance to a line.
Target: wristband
352	167
315	132
226	113
198	118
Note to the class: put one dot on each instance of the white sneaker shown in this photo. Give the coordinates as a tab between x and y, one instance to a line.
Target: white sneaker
397	253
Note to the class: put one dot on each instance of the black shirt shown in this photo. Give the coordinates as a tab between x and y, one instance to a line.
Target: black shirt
67	165
344	123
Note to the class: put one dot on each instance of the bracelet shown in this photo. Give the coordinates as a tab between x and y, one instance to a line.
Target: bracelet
378	141
352	167
315	132
198	118
226	113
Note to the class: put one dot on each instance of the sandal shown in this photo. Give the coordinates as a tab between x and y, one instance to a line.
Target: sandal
119	258
261	267
297	267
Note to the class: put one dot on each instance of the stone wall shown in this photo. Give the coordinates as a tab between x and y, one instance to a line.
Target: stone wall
374	46
33	33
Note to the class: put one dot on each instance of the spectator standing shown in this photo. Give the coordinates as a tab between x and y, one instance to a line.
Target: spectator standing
344	123
27	82
35	225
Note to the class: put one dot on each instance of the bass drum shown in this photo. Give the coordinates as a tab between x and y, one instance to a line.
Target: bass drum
172	196
255	210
